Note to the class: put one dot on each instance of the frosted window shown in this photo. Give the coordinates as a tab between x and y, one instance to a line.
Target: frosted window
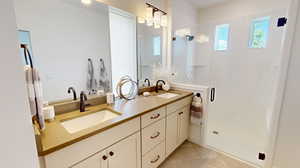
259	33
157	46
221	37
24	38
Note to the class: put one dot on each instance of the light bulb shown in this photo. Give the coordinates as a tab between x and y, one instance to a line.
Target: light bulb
157	16
86	2
149	13
164	21
150	22
141	20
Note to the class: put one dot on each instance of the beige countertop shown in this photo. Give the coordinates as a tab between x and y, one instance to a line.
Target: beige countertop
56	137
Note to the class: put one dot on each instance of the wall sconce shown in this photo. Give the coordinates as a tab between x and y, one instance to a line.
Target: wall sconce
156	17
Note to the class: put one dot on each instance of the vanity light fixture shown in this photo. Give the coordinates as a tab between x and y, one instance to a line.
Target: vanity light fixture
156	17
86	2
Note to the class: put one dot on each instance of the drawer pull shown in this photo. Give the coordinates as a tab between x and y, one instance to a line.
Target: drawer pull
111	153
155	117
180	113
155	136
154	161
104	157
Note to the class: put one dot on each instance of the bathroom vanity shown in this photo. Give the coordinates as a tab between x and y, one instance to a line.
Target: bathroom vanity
140	133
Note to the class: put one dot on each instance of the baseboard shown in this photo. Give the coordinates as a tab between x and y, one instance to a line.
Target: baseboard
231	156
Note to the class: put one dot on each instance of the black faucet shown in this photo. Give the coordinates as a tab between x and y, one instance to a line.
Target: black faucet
73	91
83	98
148	81
156	86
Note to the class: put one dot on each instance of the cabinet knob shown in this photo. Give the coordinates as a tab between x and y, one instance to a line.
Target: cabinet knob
155	136
180	113
154	161
111	153
155	117
104	157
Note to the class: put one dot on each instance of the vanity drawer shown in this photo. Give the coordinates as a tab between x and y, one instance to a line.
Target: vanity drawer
153	135
153	116
154	158
171	108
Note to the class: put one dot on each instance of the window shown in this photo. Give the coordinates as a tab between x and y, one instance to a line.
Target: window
156	46
259	32
24	38
221	37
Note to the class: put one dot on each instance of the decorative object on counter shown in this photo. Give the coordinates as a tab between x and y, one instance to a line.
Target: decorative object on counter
197	107
110	98
104	82
100	92
91	81
126	83
49	113
71	89
146	94
34	89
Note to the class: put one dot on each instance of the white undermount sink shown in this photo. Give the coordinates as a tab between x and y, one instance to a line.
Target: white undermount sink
87	121
167	95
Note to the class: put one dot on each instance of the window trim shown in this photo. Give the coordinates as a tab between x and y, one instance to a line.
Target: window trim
252	28
216	37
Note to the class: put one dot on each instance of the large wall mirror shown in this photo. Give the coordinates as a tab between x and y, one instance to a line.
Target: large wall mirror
85	46
150	51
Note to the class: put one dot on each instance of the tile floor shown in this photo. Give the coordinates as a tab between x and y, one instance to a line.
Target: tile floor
192	156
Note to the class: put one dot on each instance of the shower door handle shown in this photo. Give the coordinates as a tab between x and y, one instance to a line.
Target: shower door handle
212	94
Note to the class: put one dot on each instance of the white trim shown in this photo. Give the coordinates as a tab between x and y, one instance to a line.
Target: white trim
230	156
122	13
281	84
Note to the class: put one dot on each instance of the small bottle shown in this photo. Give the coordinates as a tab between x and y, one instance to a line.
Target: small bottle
110	98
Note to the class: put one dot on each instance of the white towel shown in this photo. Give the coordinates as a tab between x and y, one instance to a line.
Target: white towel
35	94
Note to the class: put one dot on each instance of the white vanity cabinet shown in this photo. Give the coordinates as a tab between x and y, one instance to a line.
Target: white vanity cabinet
177	123
142	142
153	138
96	161
125	153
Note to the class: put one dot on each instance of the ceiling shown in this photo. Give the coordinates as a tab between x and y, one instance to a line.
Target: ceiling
206	3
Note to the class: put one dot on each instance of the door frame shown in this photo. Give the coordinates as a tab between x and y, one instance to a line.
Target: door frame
281	81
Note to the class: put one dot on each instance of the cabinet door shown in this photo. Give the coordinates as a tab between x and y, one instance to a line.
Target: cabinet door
97	161
126	153
184	116
171	133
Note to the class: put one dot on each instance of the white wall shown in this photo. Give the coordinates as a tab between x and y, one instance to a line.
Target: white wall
67	34
287	149
240	8
17	141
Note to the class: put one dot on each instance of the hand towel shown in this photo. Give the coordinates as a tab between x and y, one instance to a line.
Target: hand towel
35	94
197	106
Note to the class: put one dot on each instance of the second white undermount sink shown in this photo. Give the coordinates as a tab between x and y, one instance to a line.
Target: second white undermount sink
87	121
167	95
